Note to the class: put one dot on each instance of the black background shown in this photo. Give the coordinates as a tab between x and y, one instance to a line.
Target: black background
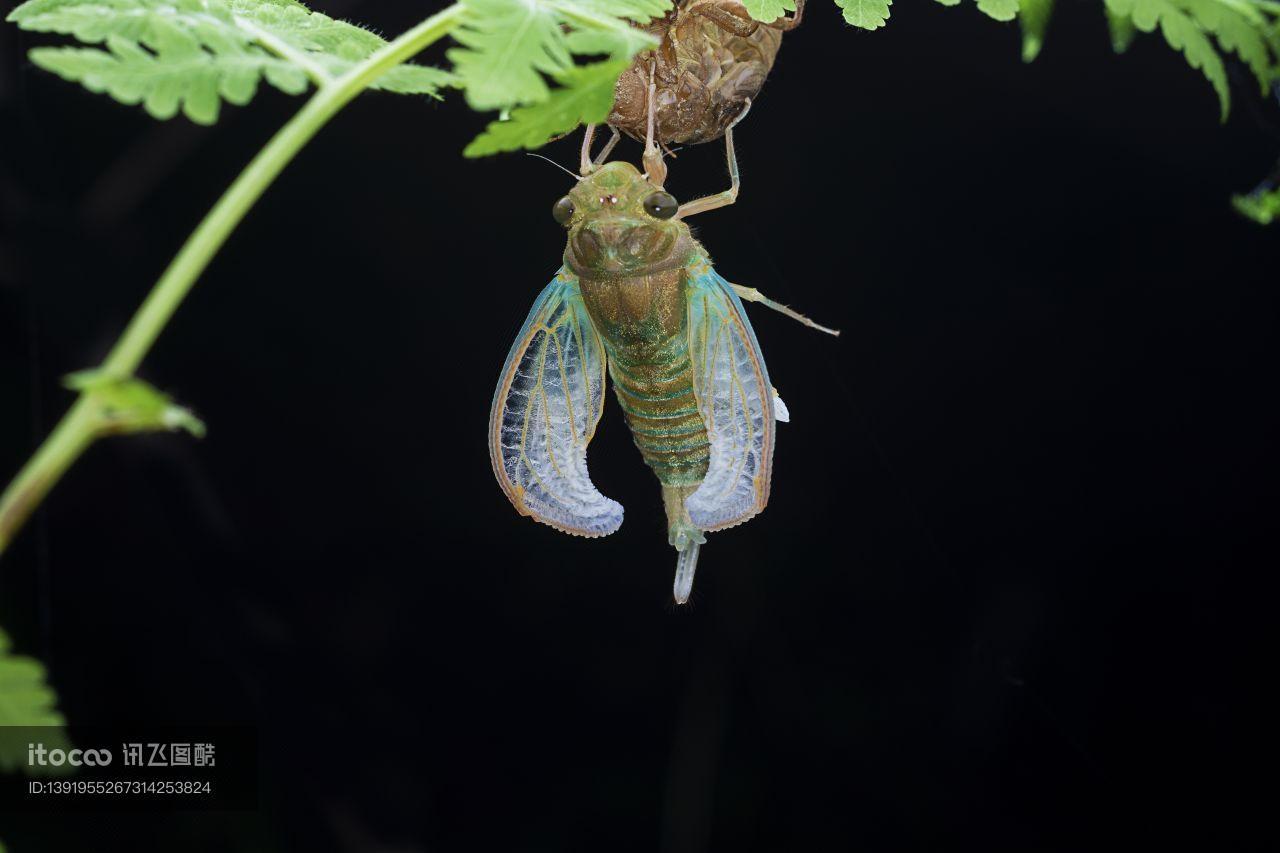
1011	589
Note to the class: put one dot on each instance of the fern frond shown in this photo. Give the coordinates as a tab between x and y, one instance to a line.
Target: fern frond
510	47
1033	18
770	10
1238	26
513	50
191	55
1001	10
26	701
1261	205
585	96
1240	29
866	14
1121	29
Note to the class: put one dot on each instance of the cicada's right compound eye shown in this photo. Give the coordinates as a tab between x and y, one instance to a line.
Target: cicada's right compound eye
661	205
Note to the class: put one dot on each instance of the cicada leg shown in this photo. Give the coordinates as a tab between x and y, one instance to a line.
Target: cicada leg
584	161
654	169
608	147
587	163
750	294
729	196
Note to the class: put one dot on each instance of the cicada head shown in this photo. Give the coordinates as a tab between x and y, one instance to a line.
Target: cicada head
621	225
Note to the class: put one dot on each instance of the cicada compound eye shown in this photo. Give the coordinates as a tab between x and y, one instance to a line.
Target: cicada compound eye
661	205
562	211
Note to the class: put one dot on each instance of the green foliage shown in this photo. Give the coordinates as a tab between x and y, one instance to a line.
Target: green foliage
1122	30
1190	27
771	10
585	96
1202	30
191	55
867	14
128	405
513	49
509	46
1033	17
1262	206
26	700
1001	10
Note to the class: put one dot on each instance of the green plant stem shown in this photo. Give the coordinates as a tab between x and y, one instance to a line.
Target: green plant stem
81	425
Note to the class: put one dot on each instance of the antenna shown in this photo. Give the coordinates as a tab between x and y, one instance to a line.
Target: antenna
557	165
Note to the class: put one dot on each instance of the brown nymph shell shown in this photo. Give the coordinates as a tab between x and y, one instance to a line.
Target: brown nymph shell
713	59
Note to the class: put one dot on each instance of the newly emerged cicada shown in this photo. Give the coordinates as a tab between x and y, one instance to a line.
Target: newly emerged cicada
637	298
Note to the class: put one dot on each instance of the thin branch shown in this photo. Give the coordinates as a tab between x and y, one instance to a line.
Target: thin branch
87	420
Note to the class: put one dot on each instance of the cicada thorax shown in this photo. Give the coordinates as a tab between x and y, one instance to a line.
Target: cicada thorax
711	62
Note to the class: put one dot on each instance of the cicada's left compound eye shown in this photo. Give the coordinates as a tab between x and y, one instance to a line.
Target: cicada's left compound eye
562	211
661	205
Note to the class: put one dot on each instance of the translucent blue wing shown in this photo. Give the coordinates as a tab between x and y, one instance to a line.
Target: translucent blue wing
544	414
736	400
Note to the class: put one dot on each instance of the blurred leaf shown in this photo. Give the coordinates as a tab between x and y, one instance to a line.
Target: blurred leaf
1122	30
124	406
1244	27
1001	10
26	701
1263	207
1033	17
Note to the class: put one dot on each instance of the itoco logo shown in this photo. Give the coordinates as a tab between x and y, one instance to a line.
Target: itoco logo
39	756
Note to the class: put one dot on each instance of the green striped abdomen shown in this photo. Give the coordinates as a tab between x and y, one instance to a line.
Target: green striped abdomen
654	385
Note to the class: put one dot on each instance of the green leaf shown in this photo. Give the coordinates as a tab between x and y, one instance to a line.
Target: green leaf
585	96
1188	32
189	56
1001	10
867	14
1239	29
771	10
510	47
1247	28
1122	30
127	405
1033	17
1263	207
26	700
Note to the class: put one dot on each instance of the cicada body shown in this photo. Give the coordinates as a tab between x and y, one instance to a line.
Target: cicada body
637	300
710	64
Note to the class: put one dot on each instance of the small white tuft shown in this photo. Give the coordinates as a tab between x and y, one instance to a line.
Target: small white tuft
780	410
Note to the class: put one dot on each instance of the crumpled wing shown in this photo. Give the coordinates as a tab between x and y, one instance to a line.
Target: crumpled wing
736	400
544	414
